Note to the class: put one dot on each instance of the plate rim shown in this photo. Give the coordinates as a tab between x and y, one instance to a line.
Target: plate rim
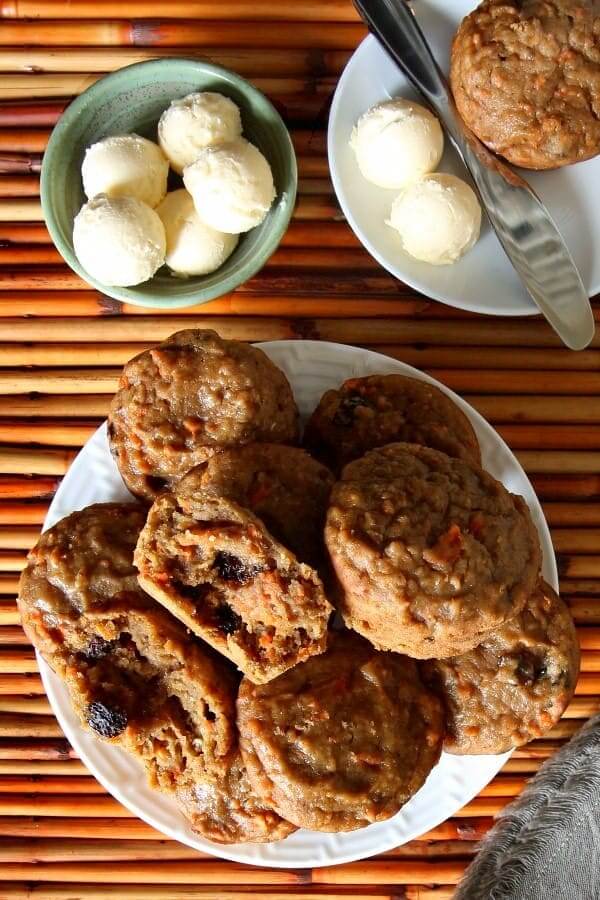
51	681
527	307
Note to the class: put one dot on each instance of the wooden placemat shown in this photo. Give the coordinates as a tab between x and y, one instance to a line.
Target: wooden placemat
61	346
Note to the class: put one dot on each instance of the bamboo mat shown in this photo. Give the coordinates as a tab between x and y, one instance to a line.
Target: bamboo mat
61	346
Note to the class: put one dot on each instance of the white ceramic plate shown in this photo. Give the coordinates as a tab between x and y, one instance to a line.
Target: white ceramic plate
312	367
483	280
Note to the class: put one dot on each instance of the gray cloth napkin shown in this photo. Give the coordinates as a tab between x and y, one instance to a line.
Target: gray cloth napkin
546	844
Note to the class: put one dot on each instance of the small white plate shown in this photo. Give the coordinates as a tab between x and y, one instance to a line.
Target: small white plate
483	280
312	368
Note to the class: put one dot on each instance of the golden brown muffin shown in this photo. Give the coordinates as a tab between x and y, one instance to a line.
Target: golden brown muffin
227	809
193	393
215	566
285	487
526	79
516	685
134	676
342	740
430	552
369	412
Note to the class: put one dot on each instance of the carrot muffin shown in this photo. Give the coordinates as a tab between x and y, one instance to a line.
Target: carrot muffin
134	676
526	79
342	740
215	566
516	685
227	810
430	552
285	487
193	393
380	409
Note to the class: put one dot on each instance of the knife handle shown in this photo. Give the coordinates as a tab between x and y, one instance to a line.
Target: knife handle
395	25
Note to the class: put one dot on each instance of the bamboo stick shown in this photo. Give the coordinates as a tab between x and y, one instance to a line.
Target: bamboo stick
63	434
20	140
64	767
40	462
426	849
89	303
29	749
16	704
485	358
348	330
57	84
25	186
58	381
84	806
25	891
20	684
328	36
559	461
13	635
49	785
23	232
9	614
557	487
589	638
62	406
585	611
559	437
246	61
15	163
590	662
21	210
18	538
580	566
565	514
387	872
544	409
500	786
35	255
520	382
522	766
235	10
36	113
11	562
53	850
576	540
18	661
22	514
105	354
67	827
205	872
9	584
221	872
53	303
580	586
19	726
150	328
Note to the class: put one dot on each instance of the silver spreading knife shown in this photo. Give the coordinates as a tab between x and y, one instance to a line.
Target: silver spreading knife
522	223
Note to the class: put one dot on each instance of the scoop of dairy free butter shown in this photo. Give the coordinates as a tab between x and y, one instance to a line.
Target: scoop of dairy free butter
193	248
125	165
396	142
119	240
438	218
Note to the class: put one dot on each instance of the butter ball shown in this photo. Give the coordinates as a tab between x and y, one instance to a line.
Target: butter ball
203	119
438	219
231	185
119	240
193	248
125	165
397	142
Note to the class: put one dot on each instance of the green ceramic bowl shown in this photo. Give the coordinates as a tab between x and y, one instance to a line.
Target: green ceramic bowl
132	99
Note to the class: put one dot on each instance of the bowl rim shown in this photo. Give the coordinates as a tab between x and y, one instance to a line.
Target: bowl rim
92	94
